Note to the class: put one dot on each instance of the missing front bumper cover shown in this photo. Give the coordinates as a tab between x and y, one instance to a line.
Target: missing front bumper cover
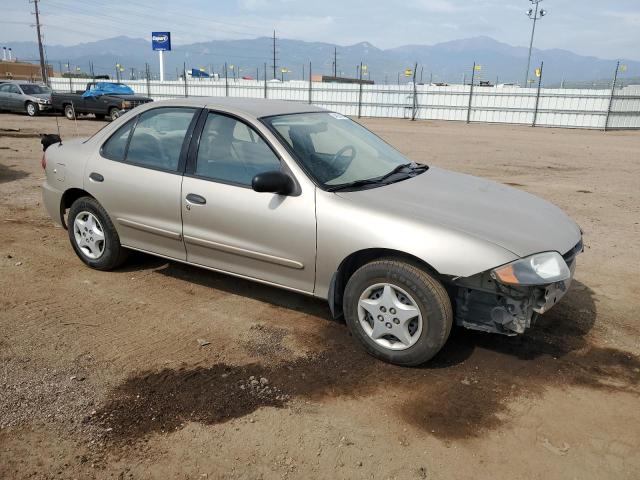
484	304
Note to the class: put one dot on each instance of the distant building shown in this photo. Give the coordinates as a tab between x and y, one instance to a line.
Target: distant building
14	70
332	79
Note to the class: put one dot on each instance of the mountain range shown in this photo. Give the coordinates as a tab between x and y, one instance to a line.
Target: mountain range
443	62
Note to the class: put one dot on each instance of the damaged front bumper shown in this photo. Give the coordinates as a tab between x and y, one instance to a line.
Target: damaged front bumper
483	303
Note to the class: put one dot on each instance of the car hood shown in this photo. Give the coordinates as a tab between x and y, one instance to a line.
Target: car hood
513	219
46	96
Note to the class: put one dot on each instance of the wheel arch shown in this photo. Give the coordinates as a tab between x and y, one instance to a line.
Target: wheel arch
68	197
357	259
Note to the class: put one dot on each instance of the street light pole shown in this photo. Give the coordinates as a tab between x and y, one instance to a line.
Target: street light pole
534	14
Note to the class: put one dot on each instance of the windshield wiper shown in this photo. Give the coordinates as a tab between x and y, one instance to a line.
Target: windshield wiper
357	183
378	180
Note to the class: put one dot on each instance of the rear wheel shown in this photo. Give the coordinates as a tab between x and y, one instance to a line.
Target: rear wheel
399	312
93	236
69	112
31	109
114	113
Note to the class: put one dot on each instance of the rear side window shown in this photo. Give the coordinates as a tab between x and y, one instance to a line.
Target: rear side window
116	147
158	136
156	141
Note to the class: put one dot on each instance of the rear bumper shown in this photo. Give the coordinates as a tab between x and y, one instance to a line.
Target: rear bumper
51	198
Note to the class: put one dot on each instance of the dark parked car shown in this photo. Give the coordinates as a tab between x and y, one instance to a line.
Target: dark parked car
99	101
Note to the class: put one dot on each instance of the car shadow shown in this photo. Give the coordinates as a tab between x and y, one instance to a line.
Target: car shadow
560	331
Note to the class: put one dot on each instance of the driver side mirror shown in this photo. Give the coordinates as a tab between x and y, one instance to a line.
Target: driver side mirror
273	182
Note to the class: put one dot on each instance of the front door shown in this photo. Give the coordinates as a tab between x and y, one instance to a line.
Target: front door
137	178
230	227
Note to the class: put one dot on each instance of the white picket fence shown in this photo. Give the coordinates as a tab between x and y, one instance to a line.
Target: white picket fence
570	108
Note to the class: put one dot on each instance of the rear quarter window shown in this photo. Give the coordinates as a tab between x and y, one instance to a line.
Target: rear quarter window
116	147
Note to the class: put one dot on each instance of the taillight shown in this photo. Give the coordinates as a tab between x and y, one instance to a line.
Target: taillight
43	162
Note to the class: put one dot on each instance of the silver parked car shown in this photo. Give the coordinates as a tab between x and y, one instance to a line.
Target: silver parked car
22	96
298	197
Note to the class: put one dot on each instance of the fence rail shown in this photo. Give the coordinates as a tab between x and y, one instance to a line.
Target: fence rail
569	108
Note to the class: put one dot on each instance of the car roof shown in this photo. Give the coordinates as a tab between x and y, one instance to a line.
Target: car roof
251	107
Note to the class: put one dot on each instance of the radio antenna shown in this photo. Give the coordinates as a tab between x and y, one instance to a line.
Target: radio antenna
59	136
75	117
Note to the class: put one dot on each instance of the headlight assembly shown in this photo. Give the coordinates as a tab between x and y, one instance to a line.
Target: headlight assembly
539	269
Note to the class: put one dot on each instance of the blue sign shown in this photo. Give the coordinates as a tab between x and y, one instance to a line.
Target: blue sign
161	41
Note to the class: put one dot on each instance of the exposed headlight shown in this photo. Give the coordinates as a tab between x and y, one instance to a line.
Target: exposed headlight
126	104
538	269
42	100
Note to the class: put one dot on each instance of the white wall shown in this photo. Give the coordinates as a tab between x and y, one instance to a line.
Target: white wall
556	107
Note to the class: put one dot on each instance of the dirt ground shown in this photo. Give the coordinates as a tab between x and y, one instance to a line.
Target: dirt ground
103	375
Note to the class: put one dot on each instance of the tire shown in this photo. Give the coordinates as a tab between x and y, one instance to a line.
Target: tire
106	256
31	109
114	114
418	292
69	112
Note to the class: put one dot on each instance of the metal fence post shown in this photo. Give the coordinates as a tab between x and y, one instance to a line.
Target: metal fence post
184	74
146	70
613	90
69	73
473	76
415	94
265	80
310	84
535	111
360	93
226	81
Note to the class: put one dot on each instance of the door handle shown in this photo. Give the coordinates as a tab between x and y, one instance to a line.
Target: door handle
196	199
96	177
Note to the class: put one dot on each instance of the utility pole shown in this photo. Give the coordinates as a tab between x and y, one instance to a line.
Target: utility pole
43	66
335	61
534	15
274	55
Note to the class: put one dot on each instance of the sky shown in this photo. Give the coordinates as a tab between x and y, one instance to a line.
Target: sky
605	29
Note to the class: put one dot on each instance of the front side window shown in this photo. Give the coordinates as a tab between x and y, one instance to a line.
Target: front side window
9	88
232	152
338	152
158	136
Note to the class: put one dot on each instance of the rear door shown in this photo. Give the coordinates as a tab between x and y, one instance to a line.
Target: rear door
137	177
230	227
4	96
14	98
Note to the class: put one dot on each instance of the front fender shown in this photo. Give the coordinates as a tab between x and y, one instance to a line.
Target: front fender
344	228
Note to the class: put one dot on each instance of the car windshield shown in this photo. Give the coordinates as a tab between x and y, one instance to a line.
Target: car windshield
339	153
33	89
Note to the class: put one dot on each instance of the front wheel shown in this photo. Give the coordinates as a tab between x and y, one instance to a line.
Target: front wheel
31	109
114	114
93	236
399	312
